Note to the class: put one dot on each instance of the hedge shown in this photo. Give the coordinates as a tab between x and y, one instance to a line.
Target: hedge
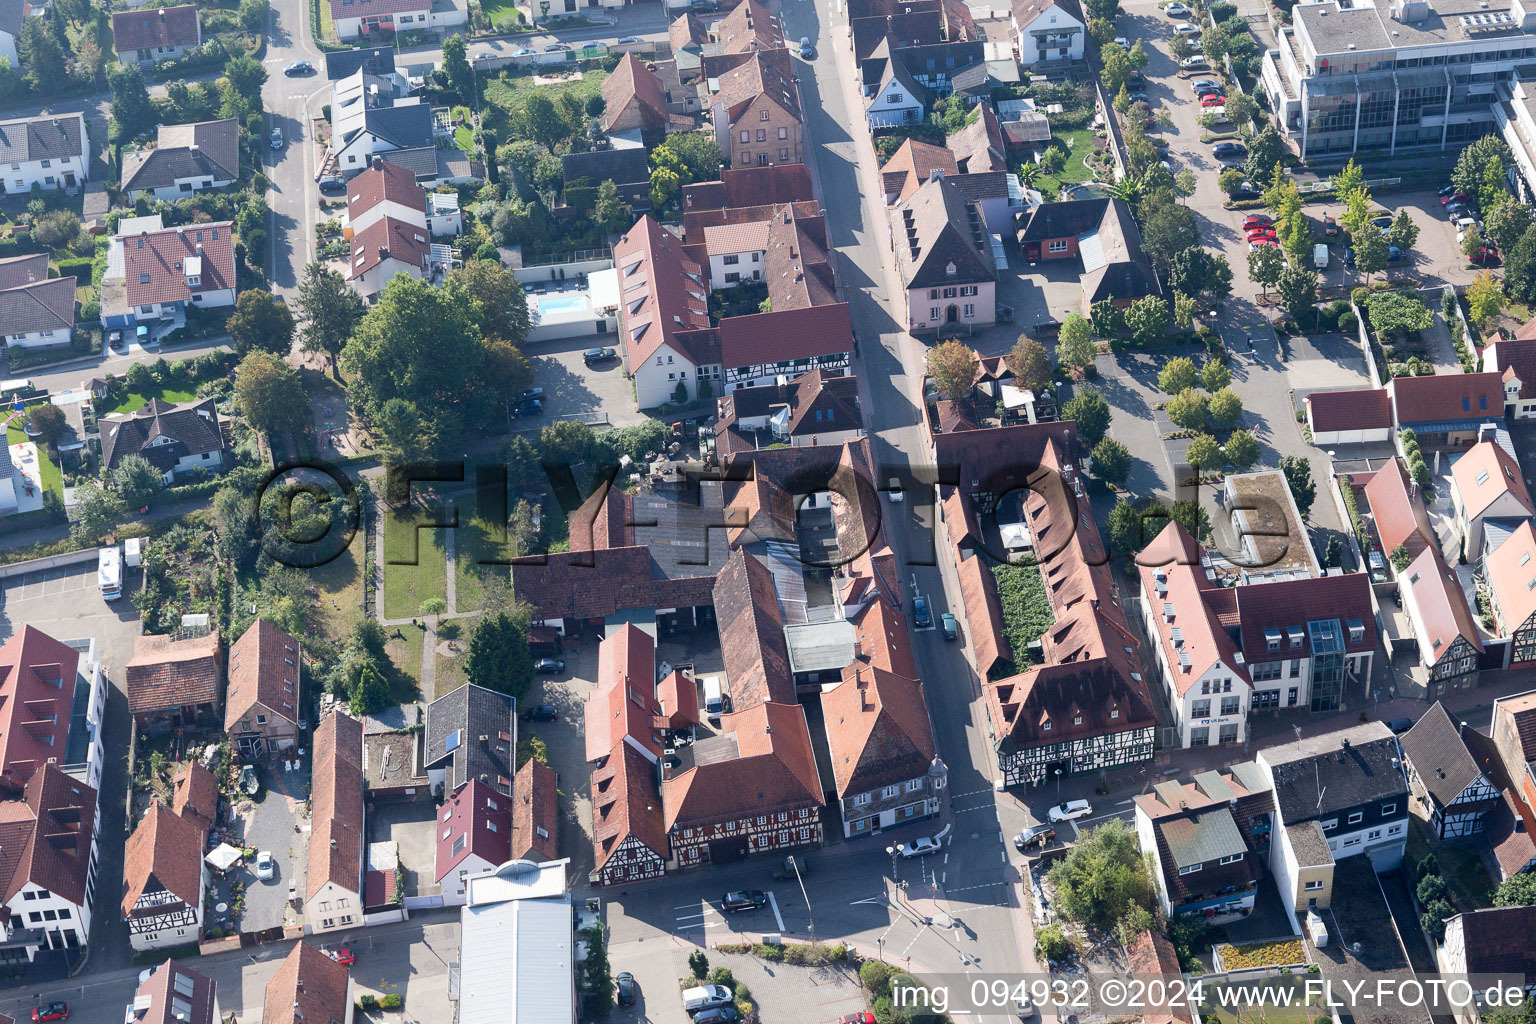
78	267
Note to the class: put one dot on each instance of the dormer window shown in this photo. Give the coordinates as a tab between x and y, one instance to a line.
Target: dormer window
194	280
950	270
1045	726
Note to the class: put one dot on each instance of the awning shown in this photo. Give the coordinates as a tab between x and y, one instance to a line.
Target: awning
224	857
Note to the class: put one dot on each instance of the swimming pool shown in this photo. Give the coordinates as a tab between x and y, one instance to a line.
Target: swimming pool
562	302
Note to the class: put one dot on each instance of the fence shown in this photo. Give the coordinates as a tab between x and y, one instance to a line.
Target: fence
48	562
1326	185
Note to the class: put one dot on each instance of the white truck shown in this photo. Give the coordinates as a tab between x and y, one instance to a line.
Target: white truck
109	573
1320	256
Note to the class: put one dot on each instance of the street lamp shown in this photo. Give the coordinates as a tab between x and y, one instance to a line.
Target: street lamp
1058	785
892	851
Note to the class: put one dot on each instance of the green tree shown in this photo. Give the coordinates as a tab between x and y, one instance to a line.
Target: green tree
132	110
497	657
1177	374
1214	375
1350	178
1485	298
1101	31
1184	310
270	393
1187	409
1088	409
497	298
1102	877
1122	101
1224	407
1186	182
1265	149
1370	252
137	481
260	321
698	155
1400	558
329	311
1298	291
1403	232
1115	67
506	373
1516	891
609	213
246	76
1472	242
1520	266
1241	449
252	14
1396	313
1505	224
1107	318
1111	461
97	513
1472	163
1148	318
461	77
1298	475
698	964
952	367
1192	516
1030	363
1265	265
1204	453
42	54
47	421
1169	228
567	442
1196	271
1074	342
1357	212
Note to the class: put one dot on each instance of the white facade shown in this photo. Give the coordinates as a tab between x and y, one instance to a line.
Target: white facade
1214	701
1051	35
64	925
182	187
178	926
8	50
429	16
728	269
51	173
39	339
443	217
372	281
333	908
386	208
455	883
658	377
1146	838
210	461
895	105
90	669
1521	409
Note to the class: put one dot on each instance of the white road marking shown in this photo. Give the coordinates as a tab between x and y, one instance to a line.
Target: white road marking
946	857
701	924
685	917
777	917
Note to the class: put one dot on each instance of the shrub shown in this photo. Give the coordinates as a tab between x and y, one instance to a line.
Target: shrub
1360	296
875	975
393	1001
368	1003
1051	943
78	267
698	963
1348	322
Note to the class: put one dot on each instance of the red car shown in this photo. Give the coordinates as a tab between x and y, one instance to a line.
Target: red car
342	956
1218	97
51	1011
1212	100
862	1017
1261	235
1455	197
1257	220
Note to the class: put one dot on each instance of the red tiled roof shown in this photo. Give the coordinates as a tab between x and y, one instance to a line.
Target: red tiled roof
336	805
384	182
166	673
1362	409
625	803
195	794
1489	940
1152	956
983	610
752	633
308	988
378	888
172	1001
678	696
774	770
155	262
624	703
162	855
388	238
748	28
751	186
595	584
915	163
45	837
1175	598
475	820
736	238
877	730
148	29
687	30
1511	572
1484	474
778	335
1295	602
1398	513
1442	606
263	669
797	265
968	458
759	76
37	687
1079	699
658	287
632	82
1447	396
534	812
1521	709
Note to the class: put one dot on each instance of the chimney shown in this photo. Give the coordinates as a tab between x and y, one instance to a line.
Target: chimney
383	252
192	146
934	174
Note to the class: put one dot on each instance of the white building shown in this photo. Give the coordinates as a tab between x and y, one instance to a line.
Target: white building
518	948
443	217
164	881
736	252
51	907
474	835
35	310
363	19
1049	30
186	158
47	152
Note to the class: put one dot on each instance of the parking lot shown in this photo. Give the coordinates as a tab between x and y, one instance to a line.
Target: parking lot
269	825
573	390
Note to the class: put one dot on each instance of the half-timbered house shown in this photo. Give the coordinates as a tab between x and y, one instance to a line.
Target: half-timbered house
163	880
1449	645
1449	788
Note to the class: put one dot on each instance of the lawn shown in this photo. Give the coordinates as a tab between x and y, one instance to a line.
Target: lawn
136	400
505	97
325	31
450	673
1026	611
464	138
404	650
339	586
475	545
499	12
406	586
52	476
1076	144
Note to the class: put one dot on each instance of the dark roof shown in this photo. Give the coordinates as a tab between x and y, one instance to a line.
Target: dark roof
1297	602
787	334
815	403
166	673
621	166
177	995
595	584
405	127
336	806
1498	940
205	149
45	306
752	634
1357	409
192	428
1125	272
12	14
147	29
942	229
41	138
1439	757
470	730
751	186
1319	776
389	239
1079	699
376	60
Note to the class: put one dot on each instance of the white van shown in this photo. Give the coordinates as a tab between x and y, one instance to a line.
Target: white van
705	996
714	702
1320	256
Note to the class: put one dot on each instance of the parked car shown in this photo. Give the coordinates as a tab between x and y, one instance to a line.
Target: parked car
1071	809
807	51
598	355
1139	97
557	48
532	407
1262	235
1447	190
629	40
743	899
531	393
950	627
718	1015
1041	835
524	52
858	1017
299	67
332	187
696	1000
1213	99
540	713
1330	225
1400	725
1486	254
1176	10
1186	29
1382	220
1454	210
920	613
1394	254
276	138
1257	220
549	666
1024	1007
1256	243
115	341
1208	93
145	974
1454	197
1195	63
922	846
625	982
1246	192
1226	149
1204	85
51	1011
345	957
265	867
1349	257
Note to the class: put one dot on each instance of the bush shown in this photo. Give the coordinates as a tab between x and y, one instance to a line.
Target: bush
698	963
1051	943
77	267
393	1001
1348	322
875	975
368	1004
1360	296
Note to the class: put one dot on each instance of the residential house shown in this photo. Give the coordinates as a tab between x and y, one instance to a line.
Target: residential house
154	36
892	97
37	692
1397	512
748	27
1101	233
179	440
1350	416
376	60
49	833
1486	484
174	994
996	193
308	988
13	14
774	185
175	684
155	274
1152	957
1306	860
628	169
1489	942
375	114
470	735
35	310
1514	360
388	247
186	158
756	112
944	257
1049	31
1069	718
48	151
905	23
1511	587
1448	640
519	947
474	834
195	795
535	812
665	316
633	98
980	145
381	19
1514	738
1450	789
1351	785
688	37
812	409
1208	841
1446	410
333	897
164	880
261	708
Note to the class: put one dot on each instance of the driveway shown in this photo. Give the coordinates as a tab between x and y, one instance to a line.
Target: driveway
573	390
270	825
411	825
